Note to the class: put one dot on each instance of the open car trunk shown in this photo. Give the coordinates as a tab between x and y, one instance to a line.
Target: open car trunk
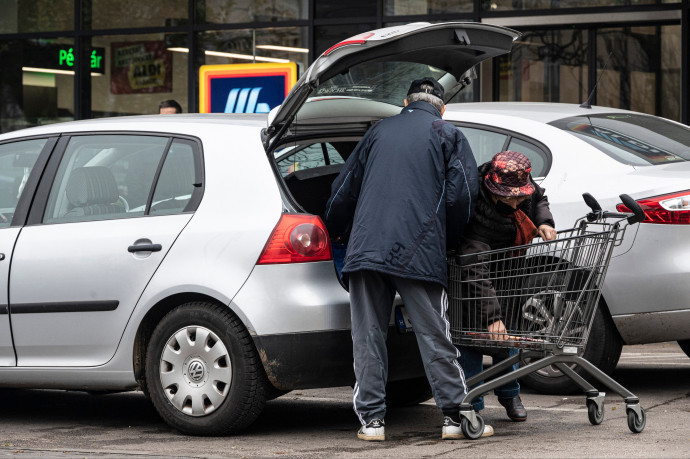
310	158
359	81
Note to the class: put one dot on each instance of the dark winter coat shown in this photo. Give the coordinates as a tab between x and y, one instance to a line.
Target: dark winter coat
411	180
489	230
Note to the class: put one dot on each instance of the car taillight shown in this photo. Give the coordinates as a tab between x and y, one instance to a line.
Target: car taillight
668	209
297	239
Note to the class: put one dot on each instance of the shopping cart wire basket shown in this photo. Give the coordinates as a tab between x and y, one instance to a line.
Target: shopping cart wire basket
546	293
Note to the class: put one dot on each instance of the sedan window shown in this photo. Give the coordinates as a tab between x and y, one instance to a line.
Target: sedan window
638	140
484	144
17	159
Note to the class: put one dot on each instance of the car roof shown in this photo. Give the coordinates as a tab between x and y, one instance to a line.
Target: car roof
535	111
187	123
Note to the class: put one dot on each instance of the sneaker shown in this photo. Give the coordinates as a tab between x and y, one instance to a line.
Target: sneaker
375	430
514	408
452	430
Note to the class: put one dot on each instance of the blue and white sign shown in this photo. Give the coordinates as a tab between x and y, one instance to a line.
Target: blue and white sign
244	88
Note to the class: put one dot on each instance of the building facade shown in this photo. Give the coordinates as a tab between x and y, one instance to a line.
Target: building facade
74	59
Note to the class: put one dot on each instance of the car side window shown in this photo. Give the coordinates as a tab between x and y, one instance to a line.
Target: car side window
308	157
17	160
176	181
535	154
484	144
104	177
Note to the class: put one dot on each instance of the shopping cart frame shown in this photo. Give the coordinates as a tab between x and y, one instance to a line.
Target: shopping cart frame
559	353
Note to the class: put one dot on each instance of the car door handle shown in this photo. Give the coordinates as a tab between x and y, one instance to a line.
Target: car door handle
144	248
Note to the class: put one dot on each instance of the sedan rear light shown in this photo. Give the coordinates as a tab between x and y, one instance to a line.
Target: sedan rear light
668	209
297	238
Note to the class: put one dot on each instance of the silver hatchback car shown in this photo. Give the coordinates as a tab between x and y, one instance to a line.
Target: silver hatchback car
184	254
169	253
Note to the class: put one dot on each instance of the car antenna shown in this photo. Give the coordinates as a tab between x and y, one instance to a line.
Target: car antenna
588	102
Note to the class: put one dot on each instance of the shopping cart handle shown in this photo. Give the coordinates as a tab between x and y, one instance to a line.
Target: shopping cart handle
594	205
630	203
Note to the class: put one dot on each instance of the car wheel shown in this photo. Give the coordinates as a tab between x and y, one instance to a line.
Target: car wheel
203	373
603	349
408	392
685	346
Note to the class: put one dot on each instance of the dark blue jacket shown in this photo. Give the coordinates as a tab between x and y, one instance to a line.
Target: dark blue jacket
411	180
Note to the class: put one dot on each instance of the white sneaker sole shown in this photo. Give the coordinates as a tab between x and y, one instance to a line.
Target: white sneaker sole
366	437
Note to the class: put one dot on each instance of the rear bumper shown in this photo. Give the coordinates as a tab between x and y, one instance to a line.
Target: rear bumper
324	358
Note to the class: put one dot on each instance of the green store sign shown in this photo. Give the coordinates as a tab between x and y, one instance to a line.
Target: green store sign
66	59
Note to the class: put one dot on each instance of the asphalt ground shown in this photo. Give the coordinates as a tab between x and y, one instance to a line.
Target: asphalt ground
321	423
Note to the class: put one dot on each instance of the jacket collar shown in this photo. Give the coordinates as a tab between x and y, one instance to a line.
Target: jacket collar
424	106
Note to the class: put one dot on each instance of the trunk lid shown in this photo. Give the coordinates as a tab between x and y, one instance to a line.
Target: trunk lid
380	65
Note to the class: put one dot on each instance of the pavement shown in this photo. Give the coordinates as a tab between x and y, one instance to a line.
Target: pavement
321	423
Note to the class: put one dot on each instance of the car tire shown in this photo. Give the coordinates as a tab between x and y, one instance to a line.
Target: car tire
203	373
603	349
408	392
685	346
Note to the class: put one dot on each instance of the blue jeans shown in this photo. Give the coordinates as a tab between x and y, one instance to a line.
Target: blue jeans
471	362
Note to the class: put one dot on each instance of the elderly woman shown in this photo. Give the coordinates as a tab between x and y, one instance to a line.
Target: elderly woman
511	210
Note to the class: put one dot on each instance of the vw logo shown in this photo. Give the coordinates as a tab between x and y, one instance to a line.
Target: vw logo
196	371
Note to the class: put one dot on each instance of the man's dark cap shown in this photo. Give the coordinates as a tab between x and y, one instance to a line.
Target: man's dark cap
416	87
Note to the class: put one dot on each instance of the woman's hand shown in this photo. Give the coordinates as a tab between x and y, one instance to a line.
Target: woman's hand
547	233
497	331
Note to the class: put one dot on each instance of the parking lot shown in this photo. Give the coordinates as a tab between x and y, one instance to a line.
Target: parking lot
321	423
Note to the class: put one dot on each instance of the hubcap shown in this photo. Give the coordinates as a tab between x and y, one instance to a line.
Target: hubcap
195	371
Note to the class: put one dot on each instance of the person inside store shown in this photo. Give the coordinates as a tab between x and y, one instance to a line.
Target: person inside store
169	107
409	183
511	210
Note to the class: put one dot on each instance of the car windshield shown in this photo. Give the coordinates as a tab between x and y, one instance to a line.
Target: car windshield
635	139
380	81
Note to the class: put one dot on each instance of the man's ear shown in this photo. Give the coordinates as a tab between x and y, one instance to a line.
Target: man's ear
443	109
405	100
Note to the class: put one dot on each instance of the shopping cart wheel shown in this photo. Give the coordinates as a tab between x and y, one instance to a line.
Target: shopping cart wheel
473	433
595	413
635	423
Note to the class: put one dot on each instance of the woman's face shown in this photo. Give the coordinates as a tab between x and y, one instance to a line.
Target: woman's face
512	201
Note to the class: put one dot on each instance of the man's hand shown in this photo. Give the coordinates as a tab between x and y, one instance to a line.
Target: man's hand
497	331
547	233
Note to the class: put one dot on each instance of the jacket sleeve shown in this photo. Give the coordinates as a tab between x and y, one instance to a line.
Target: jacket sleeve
461	183
542	212
340	208
480	303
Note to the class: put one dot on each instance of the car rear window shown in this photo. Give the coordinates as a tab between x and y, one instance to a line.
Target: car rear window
380	81
635	139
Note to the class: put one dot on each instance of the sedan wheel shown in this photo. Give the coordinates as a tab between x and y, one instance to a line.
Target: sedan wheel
203	372
603	350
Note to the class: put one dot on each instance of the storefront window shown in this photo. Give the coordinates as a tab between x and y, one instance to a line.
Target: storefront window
545	66
24	16
327	9
233	11
109	14
416	7
508	5
36	85
140	72
643	70
244	46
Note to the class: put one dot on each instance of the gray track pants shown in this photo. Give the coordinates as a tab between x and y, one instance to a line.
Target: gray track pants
371	299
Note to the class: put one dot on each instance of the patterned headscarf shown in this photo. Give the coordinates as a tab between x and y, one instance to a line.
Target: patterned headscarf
509	175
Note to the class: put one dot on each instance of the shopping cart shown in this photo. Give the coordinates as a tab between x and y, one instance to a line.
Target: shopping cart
548	293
